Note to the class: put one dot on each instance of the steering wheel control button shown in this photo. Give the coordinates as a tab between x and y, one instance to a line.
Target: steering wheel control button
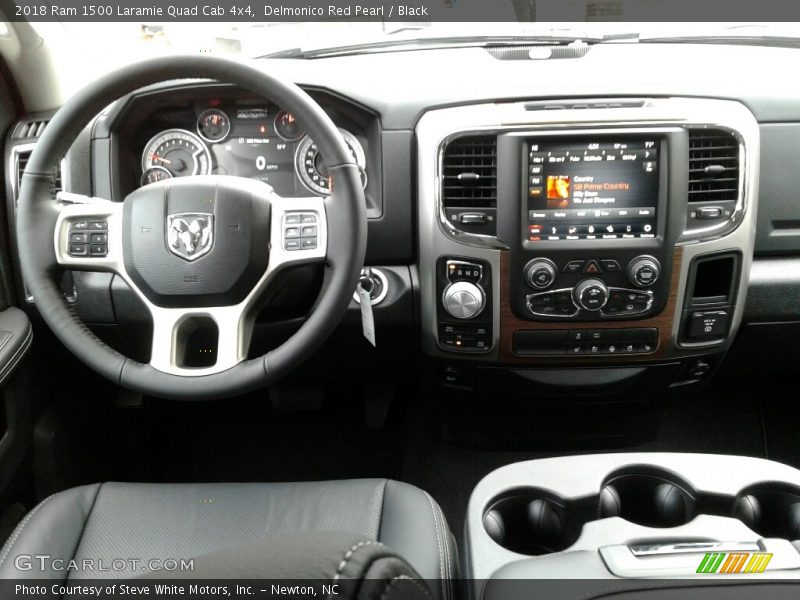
540	273
463	300
300	231
591	294
644	271
88	238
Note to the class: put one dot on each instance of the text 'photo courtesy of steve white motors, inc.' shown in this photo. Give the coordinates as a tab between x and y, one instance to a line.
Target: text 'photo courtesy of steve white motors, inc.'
168	590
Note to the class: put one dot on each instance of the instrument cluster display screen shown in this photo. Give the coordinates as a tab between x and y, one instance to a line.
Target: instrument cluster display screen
592	190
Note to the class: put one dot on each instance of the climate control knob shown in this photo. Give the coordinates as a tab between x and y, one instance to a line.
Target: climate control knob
540	273
591	294
463	300
644	271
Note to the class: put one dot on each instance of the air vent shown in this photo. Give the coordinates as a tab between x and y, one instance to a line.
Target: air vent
21	161
29	129
713	166
470	173
469	183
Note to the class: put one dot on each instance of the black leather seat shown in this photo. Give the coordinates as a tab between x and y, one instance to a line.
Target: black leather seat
180	521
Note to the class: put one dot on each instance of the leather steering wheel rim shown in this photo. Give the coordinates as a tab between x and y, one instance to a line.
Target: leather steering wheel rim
37	215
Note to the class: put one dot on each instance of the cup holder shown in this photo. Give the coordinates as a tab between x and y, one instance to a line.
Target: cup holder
651	500
771	510
536	521
533	522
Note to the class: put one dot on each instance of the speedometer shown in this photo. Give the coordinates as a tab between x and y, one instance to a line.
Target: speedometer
311	168
178	151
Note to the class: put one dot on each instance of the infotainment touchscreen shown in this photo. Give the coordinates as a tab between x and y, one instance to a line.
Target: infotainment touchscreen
592	189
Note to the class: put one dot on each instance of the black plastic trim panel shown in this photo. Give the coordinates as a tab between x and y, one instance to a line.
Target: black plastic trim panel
774	291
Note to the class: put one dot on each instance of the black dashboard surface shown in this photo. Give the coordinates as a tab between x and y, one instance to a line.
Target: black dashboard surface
378	92
379	97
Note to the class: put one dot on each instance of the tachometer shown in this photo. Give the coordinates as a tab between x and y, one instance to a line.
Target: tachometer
311	168
179	152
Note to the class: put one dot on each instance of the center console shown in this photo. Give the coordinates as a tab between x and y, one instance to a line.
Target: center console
635	517
586	233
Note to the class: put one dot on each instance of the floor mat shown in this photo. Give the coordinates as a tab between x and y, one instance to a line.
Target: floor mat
243	440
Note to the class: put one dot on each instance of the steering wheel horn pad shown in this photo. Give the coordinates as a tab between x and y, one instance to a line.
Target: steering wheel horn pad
197	241
195	247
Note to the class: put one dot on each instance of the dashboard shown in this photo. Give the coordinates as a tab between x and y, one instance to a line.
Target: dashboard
554	215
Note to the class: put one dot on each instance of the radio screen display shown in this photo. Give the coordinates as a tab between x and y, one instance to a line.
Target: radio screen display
592	190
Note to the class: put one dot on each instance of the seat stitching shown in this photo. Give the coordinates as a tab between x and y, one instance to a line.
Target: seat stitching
448	557
445	547
85	524
438	543
22	526
418	583
349	554
19	353
444	551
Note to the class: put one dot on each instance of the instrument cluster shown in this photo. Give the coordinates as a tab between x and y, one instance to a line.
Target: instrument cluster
258	142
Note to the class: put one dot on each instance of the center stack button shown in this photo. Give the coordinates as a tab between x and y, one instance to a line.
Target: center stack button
540	273
591	294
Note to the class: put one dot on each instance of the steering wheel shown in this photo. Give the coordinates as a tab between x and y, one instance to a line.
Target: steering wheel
198	251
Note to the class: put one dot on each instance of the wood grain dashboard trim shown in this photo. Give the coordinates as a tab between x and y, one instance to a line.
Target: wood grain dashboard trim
509	323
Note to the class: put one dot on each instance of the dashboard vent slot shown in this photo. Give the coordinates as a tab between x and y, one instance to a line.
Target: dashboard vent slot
537	51
583	104
29	130
469	174
21	161
713	165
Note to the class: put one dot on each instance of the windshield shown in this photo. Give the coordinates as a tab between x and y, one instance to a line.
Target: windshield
83	51
136	40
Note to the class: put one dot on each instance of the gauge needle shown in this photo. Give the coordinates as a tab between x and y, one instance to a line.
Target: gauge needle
161	159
